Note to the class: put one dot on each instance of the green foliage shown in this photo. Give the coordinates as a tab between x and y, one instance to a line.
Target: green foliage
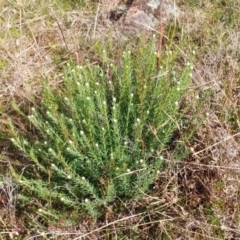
102	135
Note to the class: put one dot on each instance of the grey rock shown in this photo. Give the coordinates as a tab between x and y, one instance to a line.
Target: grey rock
146	14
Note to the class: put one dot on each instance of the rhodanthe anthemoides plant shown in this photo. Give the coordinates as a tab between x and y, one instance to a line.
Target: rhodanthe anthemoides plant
102	135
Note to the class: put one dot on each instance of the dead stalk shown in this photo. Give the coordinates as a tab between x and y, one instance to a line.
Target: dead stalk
161	33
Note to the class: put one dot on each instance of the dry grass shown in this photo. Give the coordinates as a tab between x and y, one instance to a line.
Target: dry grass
197	199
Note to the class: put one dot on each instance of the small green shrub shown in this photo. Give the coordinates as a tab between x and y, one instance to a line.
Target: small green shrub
102	135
